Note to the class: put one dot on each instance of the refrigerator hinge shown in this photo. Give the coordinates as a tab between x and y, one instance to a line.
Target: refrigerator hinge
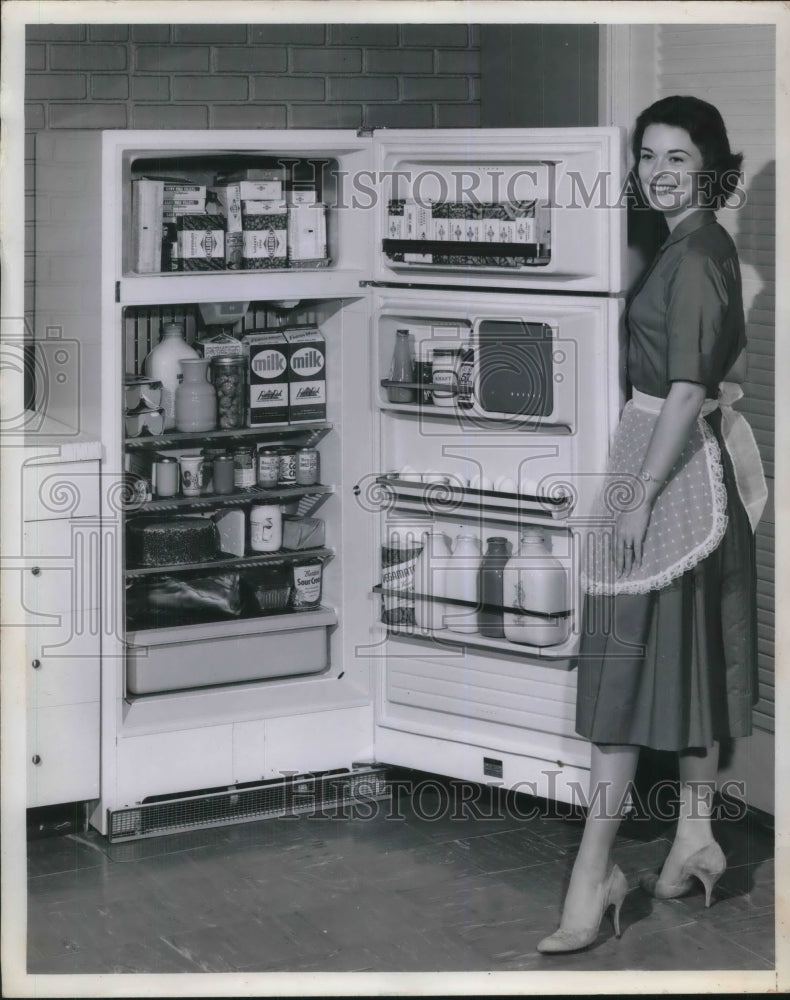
117	291
365	133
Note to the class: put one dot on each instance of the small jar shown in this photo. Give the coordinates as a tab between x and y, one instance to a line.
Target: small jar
444	375
266	528
308	466
167	474
268	467
243	468
209	457
287	473
224	473
229	377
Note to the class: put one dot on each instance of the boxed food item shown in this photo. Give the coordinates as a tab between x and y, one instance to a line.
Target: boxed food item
303	532
306	375
201	243
147	201
306	233
225	201
264	234
219	345
268	377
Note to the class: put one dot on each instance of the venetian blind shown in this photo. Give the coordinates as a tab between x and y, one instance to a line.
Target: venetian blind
733	67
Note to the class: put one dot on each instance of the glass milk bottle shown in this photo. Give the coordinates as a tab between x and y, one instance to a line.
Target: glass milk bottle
430	580
535	581
492	571
162	364
463	574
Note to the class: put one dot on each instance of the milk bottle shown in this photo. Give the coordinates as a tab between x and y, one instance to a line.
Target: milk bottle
536	581
462	583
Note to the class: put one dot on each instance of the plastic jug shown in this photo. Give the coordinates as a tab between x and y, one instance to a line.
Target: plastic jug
162	364
463	573
536	581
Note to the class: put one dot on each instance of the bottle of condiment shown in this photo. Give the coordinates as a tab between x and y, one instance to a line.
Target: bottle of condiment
445	380
463	582
196	398
402	370
162	364
492	569
268	467
537	582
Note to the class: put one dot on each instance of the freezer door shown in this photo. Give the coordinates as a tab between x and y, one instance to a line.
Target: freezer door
526	208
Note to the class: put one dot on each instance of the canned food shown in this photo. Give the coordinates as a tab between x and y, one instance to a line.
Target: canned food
308	465
243	468
268	467
287	467
228	374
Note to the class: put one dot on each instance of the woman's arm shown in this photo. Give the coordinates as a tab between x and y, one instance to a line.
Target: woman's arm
673	427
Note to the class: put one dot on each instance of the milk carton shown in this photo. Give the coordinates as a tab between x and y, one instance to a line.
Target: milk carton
268	361
306	375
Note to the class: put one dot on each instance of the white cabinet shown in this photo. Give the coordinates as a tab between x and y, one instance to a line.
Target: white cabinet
59	589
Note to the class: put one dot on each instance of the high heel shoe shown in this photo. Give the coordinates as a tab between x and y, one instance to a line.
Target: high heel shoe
708	864
614	892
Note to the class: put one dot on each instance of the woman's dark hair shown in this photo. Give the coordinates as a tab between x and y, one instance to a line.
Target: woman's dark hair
704	124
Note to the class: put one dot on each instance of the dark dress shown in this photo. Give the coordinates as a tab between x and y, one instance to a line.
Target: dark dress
676	668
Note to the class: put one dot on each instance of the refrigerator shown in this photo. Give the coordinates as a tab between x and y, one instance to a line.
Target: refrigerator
501	249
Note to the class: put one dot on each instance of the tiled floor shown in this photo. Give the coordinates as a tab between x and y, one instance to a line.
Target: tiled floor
380	894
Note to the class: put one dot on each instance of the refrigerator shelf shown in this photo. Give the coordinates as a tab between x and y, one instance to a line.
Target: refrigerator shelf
312	432
561	655
231	562
456	602
446	499
238	498
447	390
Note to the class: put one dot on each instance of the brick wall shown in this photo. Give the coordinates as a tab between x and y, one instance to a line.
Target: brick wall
149	76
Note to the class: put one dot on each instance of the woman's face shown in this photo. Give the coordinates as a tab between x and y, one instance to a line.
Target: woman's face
669	165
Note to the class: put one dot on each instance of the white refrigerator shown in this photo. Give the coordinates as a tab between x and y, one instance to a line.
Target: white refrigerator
530	284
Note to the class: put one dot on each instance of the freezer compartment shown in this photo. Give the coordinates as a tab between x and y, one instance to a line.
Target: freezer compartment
537	208
268	201
175	659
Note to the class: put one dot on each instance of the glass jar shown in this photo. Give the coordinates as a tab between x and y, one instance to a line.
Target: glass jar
229	377
209	457
166	473
196	398
223	473
243	467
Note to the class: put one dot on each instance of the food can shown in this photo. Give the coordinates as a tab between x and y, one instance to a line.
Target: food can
308	466
243	468
307	578
287	469
268	471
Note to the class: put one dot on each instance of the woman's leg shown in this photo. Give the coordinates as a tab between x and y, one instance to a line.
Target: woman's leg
611	775
698	770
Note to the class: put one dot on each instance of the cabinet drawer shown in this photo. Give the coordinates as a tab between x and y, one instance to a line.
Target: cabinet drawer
62	681
60	490
62	754
59	597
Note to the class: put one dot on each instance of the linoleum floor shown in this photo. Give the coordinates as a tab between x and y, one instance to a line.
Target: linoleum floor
426	885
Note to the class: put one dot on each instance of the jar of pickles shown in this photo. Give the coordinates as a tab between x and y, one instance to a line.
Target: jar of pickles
229	375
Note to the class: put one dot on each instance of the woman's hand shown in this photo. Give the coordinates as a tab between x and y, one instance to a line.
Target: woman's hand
630	532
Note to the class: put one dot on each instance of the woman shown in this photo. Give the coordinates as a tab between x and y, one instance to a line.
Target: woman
668	658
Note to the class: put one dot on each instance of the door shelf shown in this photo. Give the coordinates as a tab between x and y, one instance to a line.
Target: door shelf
232	562
444	638
447	499
308	497
476	605
522	254
311	433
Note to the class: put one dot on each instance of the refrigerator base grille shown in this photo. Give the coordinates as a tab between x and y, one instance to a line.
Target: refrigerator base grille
294	795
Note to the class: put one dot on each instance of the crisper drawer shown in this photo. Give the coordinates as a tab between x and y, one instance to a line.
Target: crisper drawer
190	656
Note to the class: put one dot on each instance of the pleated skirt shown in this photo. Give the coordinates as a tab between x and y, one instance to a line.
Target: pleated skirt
676	668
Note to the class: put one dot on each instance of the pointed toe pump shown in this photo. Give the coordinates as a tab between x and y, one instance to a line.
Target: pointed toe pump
614	892
707	864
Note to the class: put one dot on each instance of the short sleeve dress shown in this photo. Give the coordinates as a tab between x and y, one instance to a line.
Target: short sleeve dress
676	667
